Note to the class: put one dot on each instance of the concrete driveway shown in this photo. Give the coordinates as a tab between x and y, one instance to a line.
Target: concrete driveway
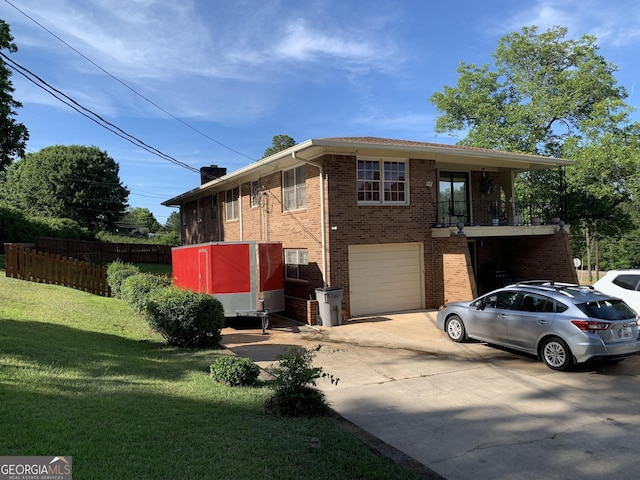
467	411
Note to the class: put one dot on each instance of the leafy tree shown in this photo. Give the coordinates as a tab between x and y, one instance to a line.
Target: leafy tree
13	135
279	143
554	97
543	90
173	222
142	219
76	182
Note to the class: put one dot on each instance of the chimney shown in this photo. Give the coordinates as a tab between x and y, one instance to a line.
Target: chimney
211	173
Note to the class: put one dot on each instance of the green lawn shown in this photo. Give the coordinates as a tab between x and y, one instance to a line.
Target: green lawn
81	375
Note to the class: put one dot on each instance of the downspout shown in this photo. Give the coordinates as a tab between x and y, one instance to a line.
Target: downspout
240	219
323	234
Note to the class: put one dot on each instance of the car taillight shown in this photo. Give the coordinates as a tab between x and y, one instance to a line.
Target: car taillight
590	325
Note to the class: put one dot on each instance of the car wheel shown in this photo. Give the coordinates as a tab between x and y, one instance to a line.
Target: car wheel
455	329
555	353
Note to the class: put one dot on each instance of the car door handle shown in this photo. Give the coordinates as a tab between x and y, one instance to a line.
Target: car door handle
502	315
542	322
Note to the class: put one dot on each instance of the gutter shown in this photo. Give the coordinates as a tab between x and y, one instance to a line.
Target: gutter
323	234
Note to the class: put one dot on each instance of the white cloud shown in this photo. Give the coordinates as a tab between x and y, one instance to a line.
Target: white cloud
616	23
304	42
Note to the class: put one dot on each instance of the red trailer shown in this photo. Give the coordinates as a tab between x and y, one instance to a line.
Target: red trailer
247	277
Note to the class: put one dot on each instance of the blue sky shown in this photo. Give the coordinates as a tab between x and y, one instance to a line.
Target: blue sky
211	82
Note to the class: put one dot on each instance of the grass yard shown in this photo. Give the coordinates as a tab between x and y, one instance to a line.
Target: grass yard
81	375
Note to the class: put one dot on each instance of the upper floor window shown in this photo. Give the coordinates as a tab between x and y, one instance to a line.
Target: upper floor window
231	203
382	182
200	209
294	190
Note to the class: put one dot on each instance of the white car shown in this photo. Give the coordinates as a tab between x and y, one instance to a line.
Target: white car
624	284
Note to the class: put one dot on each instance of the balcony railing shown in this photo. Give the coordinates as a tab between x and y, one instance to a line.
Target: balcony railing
493	212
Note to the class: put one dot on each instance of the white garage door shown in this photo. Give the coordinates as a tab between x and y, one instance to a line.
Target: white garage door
385	278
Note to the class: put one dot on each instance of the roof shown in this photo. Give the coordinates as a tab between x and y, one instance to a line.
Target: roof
444	155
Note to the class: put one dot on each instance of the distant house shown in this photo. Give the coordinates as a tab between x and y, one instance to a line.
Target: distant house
398	225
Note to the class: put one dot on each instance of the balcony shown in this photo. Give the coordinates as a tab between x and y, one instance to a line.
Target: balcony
497	218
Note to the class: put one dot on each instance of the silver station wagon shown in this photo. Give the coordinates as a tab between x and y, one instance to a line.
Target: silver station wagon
563	324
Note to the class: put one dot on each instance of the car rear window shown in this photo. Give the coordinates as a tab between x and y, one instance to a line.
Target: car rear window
630	282
607	309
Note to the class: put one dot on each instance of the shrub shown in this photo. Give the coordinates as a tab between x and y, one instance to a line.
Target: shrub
116	273
294	384
135	289
185	318
16	227
234	371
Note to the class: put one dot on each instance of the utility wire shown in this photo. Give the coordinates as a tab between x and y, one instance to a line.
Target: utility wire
128	87
39	82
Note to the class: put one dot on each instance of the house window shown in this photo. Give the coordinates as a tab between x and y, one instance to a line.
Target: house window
453	198
231	203
294	190
296	265
200	209
382	182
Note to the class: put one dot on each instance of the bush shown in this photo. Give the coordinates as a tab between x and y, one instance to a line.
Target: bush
117	272
185	318
295	393
135	289
234	371
16	227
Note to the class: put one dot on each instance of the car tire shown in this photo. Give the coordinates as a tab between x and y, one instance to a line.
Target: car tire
556	354
455	329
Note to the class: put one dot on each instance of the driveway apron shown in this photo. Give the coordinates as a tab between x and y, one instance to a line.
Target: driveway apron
466	411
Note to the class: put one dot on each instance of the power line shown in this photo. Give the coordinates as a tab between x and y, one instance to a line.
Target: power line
91	115
128	87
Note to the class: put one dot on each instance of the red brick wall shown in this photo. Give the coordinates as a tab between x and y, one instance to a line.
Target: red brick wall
207	229
447	261
351	224
452	276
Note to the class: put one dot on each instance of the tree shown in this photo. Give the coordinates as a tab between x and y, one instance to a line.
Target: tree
141	219
555	97
279	143
173	222
76	182
542	92
13	135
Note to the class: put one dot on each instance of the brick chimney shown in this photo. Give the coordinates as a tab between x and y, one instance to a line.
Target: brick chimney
210	173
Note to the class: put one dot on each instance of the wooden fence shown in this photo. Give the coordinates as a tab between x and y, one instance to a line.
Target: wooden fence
42	267
105	252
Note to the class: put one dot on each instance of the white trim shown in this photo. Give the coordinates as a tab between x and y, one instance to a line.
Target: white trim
382	202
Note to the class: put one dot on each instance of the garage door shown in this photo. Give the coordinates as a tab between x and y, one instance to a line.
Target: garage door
385	278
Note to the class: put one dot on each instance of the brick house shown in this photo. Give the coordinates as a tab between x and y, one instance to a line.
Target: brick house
398	225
